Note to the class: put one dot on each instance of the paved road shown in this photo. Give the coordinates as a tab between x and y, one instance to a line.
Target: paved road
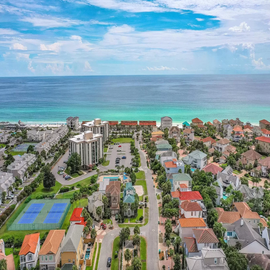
150	231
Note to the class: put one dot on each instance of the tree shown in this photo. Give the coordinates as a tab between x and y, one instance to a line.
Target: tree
89	222
168	229
3	196
136	264
86	230
136	240
177	262
99	211
30	149
235	260
177	245
137	230
133	178
74	267
256	267
168	242
93	233
43	154
124	235
127	255
219	230
48	179
74	163
3	264
212	217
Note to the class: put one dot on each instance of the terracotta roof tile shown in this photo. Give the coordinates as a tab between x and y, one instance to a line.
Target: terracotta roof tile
265	162
209	123
147	123
29	244
263	139
245	211
190	206
52	242
187	195
76	215
197	120
205	236
265	122
129	123
223	141
191	244
263	222
238	128
212	168
188	130
227	217
170	164
192	222
208	139
265	131
113	123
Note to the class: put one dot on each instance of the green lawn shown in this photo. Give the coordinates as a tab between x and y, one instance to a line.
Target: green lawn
106	163
107	221
16	153
140	175
2	145
84	182
143	253
126	220
42	191
146	218
99	248
115	261
122	140
66	195
105	149
139	214
142	183
80	203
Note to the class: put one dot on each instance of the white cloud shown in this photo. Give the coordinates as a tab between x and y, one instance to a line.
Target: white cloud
22	55
18	46
87	66
199	19
30	67
74	37
51	47
8	32
243	27
51	22
99	23
161	68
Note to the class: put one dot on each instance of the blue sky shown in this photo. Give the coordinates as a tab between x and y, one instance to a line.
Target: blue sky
125	37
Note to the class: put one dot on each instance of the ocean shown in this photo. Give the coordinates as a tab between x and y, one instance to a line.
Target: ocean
183	97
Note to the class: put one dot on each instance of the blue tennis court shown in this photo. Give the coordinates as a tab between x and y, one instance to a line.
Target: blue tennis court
55	213
31	213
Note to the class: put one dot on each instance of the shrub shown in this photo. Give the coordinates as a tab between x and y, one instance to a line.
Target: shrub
63	189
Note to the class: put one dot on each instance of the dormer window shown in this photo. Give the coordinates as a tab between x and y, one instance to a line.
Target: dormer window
215	260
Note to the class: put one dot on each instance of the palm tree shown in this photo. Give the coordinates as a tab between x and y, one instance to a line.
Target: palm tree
127	255
177	245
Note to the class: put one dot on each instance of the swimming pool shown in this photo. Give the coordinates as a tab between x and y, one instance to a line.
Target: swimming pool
193	170
112	178
124	176
224	196
87	254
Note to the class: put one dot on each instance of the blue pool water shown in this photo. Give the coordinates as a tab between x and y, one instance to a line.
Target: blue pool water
193	170
112	178
224	196
124	176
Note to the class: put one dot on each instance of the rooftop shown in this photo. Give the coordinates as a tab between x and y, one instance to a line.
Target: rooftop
197	120
187	195
76	215
52	242
29	244
205	235
227	217
263	139
192	222
190	206
212	168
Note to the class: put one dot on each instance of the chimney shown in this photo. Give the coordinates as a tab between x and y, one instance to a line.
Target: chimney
242	222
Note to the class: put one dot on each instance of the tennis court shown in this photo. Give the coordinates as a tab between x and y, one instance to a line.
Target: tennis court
41	215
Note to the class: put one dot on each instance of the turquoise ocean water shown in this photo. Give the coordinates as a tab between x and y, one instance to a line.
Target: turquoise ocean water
53	99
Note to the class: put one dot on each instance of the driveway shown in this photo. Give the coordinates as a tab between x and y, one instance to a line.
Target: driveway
150	231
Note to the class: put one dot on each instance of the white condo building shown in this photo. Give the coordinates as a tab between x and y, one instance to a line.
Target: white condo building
97	127
89	146
6	180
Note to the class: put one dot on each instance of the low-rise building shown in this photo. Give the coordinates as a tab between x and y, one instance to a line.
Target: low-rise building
222	144
89	146
6	181
113	191
72	246
131	125
77	218
196	159
73	122
264	143
248	133
226	178
166	122
95	201
8	258
180	181
191	210
173	166
113	126
129	199
249	157
163	146
147	125
157	135
186	226
208	142
19	167
49	254
212	168
174	133
188	134
97	127
237	133
227	217
264	124
264	166
251	193
217	125
193	196
210	259
29	251
227	131
197	122
4	136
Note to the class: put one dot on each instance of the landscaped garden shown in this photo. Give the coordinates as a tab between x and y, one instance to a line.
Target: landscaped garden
137	218
122	140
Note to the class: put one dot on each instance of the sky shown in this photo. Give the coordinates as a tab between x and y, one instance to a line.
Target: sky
134	37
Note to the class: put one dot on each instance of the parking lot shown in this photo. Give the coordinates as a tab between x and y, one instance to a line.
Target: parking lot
119	151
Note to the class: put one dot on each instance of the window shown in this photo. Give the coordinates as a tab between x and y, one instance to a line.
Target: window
215	260
263	252
50	258
192	213
29	257
69	260
229	233
46	258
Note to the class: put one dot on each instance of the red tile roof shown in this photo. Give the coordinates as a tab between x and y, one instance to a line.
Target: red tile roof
227	217
147	123
197	120
187	195
205	236
29	244
263	139
170	164
265	131
208	139
113	123
248	126
129	123
245	211
209	123
190	206
76	215
265	122
191	244
183	186
212	168
192	222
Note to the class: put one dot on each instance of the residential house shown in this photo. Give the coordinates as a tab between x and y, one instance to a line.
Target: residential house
77	218
113	194
227	131
113	126
196	122
19	167
264	124
227	217
249	157
8	258
210	259
95	201
248	133
201	238
72	247
103	185
89	146
180	181
49	254
226	178
217	125
157	135
251	241
219	193
163	156
6	181
185	125
237	133
186	226
166	122
251	193
188	135
196	159
222	144
235	122
212	168
129	199
34	135
191	210
130	125
4	136
163	146
209	123
147	125
174	133
208	142
29	251
264	166
173	166
73	122
264	143
265	133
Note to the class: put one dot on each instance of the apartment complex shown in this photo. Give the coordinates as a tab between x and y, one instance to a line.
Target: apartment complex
89	146
166	122
97	127
6	180
73	122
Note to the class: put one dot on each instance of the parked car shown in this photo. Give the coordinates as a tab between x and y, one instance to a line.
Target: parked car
124	157
119	146
118	150
67	177
65	161
141	203
61	173
64	175
109	262
103	226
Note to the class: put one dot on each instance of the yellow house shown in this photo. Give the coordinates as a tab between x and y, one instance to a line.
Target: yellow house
72	247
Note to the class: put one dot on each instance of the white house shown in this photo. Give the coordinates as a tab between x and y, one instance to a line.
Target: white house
197	159
6	181
166	122
95	201
222	144
191	210
173	166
